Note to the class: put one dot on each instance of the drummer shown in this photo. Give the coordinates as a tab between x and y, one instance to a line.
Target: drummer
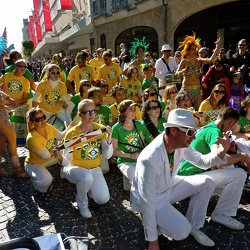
16	85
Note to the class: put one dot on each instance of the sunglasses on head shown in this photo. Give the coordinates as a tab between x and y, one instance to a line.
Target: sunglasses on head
88	112
54	73
222	92
153	94
21	66
188	131
40	119
154	107
86	85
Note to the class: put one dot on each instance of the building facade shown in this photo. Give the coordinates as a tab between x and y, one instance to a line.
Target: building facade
106	23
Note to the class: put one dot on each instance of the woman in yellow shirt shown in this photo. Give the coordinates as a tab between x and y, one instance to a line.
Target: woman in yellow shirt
83	166
40	141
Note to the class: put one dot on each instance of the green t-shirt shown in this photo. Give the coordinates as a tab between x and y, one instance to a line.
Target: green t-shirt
150	84
102	115
205	138
130	137
244	124
76	100
147	135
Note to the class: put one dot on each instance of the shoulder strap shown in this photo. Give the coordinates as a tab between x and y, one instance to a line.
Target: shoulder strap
165	63
151	128
143	145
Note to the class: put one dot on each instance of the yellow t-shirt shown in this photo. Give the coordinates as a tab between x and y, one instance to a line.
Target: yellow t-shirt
111	74
50	97
132	89
15	86
36	142
77	74
96	64
86	154
108	100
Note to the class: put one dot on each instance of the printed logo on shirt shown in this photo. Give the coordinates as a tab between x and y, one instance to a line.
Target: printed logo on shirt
100	118
49	143
86	74
91	150
132	138
15	86
113	74
54	99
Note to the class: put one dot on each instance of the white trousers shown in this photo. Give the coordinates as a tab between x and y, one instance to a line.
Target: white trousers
128	169
173	223
85	180
229	183
40	177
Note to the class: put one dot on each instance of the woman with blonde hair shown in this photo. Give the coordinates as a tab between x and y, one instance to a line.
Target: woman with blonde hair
170	92
40	141
51	94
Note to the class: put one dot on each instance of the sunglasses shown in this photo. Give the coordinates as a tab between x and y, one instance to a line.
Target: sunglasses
154	107
188	131
104	86
242	45
174	92
54	73
98	96
167	50
153	94
86	85
40	119
219	91
88	112
21	66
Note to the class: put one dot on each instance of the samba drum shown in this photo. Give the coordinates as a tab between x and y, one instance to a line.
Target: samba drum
172	78
19	123
56	122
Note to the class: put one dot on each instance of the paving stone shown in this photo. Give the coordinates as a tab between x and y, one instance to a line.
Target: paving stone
24	212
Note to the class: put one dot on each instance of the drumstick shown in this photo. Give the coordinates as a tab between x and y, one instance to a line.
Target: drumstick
84	137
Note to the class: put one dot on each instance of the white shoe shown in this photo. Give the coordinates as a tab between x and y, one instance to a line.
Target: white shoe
85	213
227	221
201	238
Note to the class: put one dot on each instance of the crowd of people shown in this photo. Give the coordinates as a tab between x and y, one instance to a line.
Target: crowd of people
176	127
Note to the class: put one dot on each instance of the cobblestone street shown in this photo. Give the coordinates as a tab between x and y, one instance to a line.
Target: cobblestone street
24	212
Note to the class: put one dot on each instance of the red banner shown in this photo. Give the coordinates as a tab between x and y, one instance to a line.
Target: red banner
46	14
31	30
37	21
66	4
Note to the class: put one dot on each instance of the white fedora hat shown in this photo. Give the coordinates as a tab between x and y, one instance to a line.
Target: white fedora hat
180	118
165	47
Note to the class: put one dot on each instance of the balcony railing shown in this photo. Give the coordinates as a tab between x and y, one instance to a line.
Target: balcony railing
99	7
119	4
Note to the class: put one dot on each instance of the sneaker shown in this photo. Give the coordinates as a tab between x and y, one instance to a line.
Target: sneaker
85	213
227	221
201	238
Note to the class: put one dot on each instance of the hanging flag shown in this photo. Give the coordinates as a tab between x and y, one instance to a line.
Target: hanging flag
31	30
46	15
66	4
4	33
37	21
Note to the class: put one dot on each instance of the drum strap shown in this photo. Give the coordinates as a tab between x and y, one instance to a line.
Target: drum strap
165	63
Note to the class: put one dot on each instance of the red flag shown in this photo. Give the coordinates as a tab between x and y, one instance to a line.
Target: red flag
66	4
37	21
46	15
4	33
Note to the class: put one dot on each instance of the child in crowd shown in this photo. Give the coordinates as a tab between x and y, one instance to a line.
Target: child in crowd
237	91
